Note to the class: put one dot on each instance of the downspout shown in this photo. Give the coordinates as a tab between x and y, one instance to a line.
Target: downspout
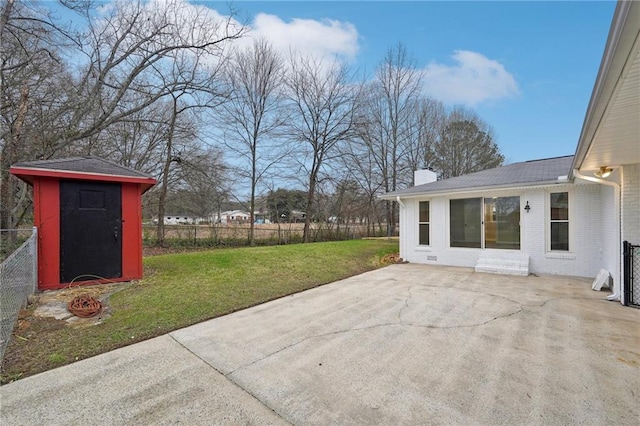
402	240
617	283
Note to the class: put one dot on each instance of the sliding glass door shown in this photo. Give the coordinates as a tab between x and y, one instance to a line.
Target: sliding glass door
465	224
502	223
485	222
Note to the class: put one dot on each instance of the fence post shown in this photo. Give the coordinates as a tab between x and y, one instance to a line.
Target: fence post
34	252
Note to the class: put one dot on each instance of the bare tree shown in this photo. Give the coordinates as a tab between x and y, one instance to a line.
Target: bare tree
466	145
55	106
361	165
32	86
324	106
387	130
254	113
126	55
203	182
426	123
193	87
137	142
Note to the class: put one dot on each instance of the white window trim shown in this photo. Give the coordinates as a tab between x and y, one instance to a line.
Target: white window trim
559	254
418	245
482	196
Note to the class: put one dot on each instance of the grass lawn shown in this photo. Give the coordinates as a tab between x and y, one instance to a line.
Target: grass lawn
183	289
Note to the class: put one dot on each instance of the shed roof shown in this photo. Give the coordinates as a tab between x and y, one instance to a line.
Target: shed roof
87	164
528	173
87	168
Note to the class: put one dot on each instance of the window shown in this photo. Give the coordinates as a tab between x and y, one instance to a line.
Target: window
559	221
92	199
423	223
485	223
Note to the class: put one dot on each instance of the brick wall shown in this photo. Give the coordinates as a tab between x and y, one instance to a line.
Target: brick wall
631	203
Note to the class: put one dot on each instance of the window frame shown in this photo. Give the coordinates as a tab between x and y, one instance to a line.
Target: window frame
428	223
482	221
568	221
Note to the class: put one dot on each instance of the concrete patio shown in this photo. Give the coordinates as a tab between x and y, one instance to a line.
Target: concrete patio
407	344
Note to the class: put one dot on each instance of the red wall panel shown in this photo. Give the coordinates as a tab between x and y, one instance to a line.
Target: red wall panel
46	194
131	232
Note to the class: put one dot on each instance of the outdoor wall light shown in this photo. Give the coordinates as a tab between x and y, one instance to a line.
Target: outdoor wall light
603	172
527	207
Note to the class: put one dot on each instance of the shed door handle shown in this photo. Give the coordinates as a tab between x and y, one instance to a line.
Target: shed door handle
115	233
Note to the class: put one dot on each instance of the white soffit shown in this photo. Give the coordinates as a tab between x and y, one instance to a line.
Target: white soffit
617	141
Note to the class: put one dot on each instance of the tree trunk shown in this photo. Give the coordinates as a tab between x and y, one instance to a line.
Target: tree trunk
165	176
8	157
252	203
306	234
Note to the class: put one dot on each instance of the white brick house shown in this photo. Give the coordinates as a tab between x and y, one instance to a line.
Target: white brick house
566	215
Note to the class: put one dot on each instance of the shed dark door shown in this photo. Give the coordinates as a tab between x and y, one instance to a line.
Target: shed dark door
90	230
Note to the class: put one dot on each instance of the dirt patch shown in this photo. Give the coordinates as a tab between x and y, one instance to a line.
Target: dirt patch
392	258
46	313
30	332
53	304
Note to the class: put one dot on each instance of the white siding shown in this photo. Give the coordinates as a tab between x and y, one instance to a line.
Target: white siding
610	232
589	251
631	204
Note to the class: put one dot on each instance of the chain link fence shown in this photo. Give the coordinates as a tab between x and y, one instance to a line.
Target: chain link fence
237	235
631	274
18	279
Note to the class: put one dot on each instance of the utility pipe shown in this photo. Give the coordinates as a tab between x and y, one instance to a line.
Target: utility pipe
617	287
402	240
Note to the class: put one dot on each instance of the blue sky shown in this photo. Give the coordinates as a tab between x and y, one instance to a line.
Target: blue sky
526	67
532	64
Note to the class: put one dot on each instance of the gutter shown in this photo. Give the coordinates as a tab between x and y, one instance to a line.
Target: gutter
403	241
617	284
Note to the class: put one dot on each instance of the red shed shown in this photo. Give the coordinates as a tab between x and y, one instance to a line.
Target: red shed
89	217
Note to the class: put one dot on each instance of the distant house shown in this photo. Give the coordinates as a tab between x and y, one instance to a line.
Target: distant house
232	216
261	217
567	215
297	216
294	216
179	219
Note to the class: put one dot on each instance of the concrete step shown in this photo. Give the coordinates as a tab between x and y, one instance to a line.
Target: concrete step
503	263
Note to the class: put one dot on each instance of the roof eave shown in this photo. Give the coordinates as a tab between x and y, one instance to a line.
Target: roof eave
394	195
28	173
617	49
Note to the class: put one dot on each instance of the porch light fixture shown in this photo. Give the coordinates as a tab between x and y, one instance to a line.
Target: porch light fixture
527	207
603	172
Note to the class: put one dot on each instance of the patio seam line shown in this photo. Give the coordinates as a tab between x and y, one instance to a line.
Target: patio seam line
399	323
473	290
228	378
529	305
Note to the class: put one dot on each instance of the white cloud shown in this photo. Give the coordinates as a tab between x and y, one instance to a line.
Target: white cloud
326	39
178	19
474	79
